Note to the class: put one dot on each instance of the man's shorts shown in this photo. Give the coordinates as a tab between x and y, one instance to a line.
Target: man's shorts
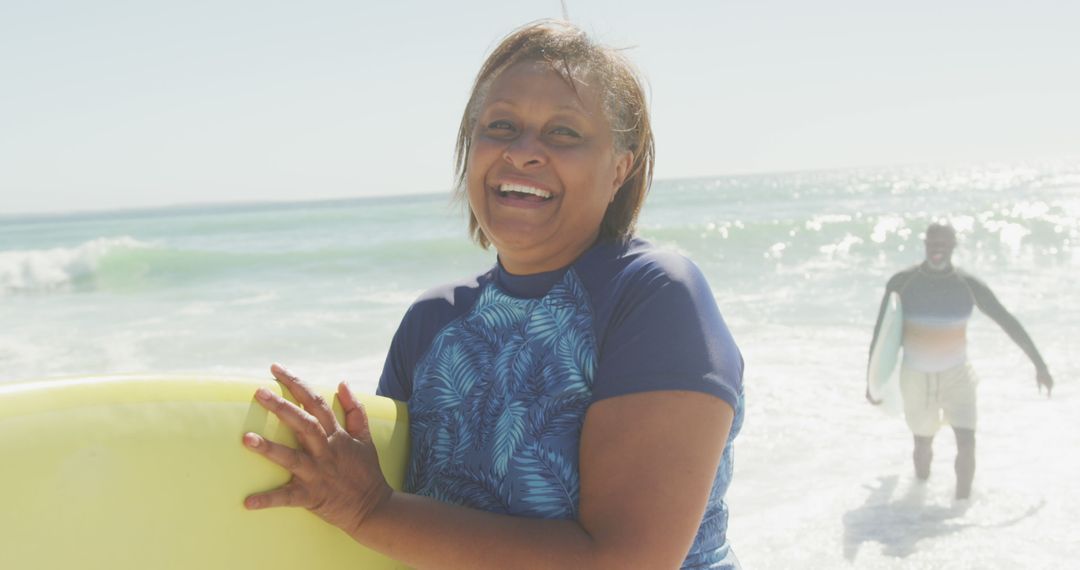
933	399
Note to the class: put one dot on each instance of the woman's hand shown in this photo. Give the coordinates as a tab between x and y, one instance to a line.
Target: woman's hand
335	472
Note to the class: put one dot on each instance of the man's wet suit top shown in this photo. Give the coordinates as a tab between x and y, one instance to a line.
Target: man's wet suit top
936	307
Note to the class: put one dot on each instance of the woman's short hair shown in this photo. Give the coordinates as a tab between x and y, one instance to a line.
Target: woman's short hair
574	56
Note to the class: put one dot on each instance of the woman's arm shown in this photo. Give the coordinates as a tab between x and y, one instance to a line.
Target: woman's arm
647	464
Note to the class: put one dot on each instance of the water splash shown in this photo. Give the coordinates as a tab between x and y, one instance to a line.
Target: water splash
58	268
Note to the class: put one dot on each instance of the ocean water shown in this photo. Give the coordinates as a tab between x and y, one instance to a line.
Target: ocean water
797	262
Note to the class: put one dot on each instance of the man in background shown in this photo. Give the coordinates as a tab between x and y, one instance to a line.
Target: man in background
937	382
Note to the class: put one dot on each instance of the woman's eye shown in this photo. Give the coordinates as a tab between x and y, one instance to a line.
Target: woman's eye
565	132
500	125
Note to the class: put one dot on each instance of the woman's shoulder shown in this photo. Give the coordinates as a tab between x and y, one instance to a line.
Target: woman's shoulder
449	299
640	262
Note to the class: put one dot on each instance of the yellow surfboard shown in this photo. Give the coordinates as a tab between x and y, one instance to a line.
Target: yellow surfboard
150	472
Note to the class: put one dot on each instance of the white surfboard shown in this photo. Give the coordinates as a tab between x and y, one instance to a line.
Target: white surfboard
882	371
150	472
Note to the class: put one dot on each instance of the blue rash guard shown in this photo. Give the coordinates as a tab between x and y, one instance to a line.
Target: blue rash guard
499	371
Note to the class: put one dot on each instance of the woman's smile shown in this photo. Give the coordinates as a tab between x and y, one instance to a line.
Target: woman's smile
519	195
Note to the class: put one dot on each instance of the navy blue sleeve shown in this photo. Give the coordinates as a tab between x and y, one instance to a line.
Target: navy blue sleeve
396	379
430	313
665	332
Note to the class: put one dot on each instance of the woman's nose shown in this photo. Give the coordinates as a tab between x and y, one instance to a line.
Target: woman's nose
525	151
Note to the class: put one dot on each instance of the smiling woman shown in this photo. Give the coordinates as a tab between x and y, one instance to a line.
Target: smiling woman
573	406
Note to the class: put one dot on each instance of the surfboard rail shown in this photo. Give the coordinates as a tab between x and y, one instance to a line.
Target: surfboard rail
885	356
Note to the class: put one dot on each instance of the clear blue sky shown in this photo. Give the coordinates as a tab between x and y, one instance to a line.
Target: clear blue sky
114	104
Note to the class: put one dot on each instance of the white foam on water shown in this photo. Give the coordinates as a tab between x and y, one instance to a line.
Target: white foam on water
382	297
256	299
887	225
56	268
361	374
817	222
842	247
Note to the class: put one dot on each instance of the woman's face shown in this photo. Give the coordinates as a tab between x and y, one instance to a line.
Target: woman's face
542	168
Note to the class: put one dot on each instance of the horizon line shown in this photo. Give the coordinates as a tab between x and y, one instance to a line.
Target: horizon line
38	215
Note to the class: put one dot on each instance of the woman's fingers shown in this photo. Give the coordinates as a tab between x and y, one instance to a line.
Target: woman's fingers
312	402
288	495
308	430
293	460
336	477
356	421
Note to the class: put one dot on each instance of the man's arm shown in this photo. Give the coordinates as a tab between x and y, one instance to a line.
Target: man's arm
988	303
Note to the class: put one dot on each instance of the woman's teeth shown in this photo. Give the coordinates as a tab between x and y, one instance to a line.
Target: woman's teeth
505	189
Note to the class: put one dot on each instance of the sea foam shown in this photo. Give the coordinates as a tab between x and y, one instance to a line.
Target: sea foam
57	268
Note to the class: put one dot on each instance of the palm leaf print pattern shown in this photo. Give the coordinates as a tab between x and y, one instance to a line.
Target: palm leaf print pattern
498	403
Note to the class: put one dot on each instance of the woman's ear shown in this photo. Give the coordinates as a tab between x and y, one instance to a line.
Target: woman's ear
623	163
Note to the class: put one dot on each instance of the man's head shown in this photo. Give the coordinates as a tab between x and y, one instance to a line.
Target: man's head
940	243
